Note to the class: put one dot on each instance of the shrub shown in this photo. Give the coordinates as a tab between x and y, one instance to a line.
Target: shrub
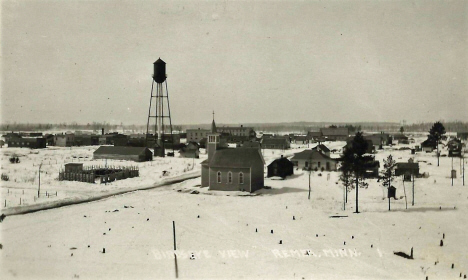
5	177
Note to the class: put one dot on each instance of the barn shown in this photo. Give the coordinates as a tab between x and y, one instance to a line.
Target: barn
137	154
280	167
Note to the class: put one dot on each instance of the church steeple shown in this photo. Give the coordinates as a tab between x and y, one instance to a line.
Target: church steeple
213	125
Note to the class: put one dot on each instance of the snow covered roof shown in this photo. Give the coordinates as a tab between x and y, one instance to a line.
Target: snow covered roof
321	147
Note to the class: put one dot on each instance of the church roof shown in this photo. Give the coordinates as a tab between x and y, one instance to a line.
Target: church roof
236	158
213	126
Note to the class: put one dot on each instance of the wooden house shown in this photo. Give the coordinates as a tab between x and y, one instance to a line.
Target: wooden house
190	150
276	143
428	146
379	139
280	167
314	160
455	147
400	138
407	170
65	140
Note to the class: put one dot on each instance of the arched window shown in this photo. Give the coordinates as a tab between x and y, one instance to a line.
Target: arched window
230	177
219	176
241	178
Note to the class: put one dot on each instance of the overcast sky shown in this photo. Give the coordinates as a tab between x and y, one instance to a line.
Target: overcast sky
282	61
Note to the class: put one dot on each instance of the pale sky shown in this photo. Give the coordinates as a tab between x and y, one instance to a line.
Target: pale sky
281	61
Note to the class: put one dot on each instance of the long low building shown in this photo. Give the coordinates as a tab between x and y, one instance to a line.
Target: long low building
138	154
26	142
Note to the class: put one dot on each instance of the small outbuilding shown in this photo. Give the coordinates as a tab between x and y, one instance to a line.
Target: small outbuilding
74	167
137	154
280	167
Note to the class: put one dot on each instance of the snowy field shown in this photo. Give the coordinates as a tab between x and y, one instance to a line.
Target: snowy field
230	233
21	189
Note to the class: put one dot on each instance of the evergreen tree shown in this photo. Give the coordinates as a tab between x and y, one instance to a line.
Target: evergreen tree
346	178
435	134
388	173
355	160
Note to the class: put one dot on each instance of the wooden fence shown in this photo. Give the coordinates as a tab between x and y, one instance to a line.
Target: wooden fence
80	177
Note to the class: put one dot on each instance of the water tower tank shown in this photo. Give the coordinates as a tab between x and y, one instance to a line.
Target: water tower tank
159	75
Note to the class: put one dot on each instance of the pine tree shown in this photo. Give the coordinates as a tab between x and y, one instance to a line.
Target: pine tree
354	160
435	134
346	178
388	173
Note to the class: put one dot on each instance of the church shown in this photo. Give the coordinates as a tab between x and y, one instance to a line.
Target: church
231	169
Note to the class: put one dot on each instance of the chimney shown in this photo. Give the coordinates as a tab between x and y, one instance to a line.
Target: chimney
102	131
242	125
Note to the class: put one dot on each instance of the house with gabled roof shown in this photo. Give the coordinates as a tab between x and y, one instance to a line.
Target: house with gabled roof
322	148
190	150
407	169
315	160
455	147
280	167
379	139
231	169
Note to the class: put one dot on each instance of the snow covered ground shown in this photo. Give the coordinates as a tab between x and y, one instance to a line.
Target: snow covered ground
230	233
21	190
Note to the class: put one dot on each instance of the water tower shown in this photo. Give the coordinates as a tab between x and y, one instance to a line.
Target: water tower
160	111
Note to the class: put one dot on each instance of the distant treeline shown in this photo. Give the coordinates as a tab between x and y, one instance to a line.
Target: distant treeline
296	127
304	127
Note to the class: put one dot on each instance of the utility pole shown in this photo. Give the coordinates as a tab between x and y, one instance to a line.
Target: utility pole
404	189
310	171
39	188
451	171
175	255
412	204
173	231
